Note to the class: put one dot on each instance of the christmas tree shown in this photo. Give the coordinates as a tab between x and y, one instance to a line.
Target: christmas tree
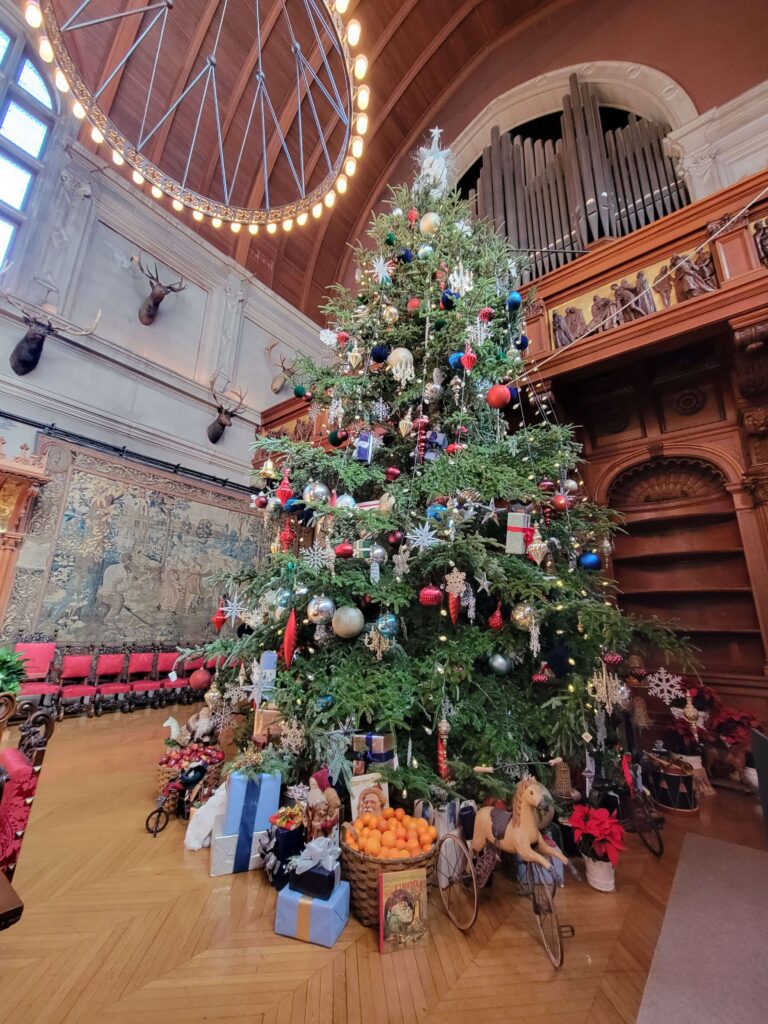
436	564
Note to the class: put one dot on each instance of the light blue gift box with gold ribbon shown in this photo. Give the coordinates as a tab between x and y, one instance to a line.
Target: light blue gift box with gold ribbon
312	920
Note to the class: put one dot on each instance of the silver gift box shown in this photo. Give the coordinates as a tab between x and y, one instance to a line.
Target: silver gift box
223	850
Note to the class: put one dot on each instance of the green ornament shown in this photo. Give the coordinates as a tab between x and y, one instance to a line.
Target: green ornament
439	324
390	238
299	391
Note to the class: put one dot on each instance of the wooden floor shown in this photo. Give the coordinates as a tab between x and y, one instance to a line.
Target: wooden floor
123	929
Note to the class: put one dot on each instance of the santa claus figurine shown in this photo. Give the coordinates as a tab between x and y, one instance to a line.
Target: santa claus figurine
323	804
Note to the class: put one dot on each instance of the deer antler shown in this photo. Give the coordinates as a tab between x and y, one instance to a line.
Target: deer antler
33	312
227	395
178	287
153	278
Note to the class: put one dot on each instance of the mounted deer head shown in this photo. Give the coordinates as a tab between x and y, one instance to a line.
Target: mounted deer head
286	369
150	306
228	403
40	323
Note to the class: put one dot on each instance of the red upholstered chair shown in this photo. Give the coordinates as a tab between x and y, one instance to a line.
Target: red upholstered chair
37	690
76	677
19	771
142	677
112	690
172	690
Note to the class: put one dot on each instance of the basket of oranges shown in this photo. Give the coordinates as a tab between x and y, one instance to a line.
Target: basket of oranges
393	841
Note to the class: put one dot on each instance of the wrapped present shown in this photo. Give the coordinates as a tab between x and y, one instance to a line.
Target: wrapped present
364	446
232	854
277	848
381	745
519	532
250	802
316	871
311	920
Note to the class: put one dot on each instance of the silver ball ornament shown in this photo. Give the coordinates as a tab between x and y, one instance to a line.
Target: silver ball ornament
500	664
429	224
283	597
320	610
346	501
570	486
348	622
397	212
316	493
301	590
522	615
378	554
424	252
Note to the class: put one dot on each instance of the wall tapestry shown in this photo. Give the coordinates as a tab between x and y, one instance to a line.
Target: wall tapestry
119	553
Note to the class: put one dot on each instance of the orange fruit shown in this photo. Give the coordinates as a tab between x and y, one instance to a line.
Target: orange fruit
381	824
421	825
368	818
432	832
358	824
412	835
388	812
413	845
408	821
400	832
393	824
399	813
388	839
375	834
365	832
424	840
400	843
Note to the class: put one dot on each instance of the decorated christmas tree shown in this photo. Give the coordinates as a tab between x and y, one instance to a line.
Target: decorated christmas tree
435	569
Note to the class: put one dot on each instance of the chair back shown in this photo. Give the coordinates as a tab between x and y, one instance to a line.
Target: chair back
141	663
38	658
110	664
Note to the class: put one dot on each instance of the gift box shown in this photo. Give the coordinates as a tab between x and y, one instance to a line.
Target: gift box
316	871
519	532
231	854
277	848
364	445
250	803
311	920
380	745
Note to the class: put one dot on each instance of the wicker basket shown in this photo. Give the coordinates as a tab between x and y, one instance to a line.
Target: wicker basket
363	872
167	773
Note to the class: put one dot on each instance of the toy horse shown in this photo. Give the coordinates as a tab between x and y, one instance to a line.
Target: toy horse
517	831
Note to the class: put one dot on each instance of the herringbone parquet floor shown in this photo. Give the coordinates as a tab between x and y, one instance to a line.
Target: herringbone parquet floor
123	929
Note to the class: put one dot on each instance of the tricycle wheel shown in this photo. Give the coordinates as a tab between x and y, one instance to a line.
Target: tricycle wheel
157	821
456	881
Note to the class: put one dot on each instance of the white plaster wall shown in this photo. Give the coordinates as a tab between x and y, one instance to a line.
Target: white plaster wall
142	387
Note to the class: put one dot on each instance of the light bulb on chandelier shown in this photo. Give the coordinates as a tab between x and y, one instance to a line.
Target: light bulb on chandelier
96	136
157	193
32	14
354	32
234	227
45	49
360	66
138	178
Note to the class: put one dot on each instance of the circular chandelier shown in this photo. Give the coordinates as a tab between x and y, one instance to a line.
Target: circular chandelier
255	119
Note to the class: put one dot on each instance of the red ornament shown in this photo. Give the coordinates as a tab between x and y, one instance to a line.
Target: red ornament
496	621
287	537
430	596
284	491
342	338
485	314
200	679
546	515
289	639
498	396
367	599
420	424
454	448
454	607
218	619
261	501
413	215
461	430
540	676
413	305
546	486
395	538
443	770
561	503
392	473
308	396
344	549
468	360
612	658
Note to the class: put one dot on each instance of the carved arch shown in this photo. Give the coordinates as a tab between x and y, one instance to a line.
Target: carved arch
661	480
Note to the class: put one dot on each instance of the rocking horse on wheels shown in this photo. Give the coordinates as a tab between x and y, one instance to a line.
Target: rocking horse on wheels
465	864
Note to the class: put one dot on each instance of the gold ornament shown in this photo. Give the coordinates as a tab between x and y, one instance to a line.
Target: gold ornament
429	224
354	357
377	643
268	470
640	716
538	548
405	426
386	503
390	315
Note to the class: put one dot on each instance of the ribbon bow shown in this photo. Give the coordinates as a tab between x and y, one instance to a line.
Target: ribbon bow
320	853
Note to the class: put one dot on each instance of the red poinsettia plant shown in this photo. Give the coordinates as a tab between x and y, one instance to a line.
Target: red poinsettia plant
598	833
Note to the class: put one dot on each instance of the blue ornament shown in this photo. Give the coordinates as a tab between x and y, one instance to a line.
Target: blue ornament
379	353
590	560
522	343
283	598
424	252
436	511
513	393
406	256
454	360
290	505
448	298
323	703
388	625
514	301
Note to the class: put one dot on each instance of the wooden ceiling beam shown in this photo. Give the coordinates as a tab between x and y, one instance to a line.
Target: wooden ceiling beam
161	137
237	93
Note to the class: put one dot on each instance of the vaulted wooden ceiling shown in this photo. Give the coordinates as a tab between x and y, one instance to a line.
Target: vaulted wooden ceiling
420	53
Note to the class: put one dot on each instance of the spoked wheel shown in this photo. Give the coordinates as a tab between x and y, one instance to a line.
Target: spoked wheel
156	821
456	881
540	885
645	825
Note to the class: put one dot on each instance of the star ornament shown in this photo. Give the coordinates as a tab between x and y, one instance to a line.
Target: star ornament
233	608
492	514
382	270
483	584
423	537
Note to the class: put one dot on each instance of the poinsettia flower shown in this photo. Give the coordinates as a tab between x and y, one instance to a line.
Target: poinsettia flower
579	820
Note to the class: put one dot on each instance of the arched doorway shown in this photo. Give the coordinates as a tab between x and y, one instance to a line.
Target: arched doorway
682	559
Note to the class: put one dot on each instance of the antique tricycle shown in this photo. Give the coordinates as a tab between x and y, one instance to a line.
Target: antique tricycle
465	863
183	787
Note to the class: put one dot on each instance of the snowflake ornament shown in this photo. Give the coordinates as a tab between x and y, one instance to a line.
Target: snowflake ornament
328	337
292	738
461	280
377	643
665	686
455	582
233	608
423	537
380	410
468	602
318	556
605	687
